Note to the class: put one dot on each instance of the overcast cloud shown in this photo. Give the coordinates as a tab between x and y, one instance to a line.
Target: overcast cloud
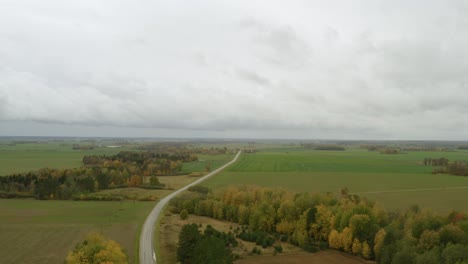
276	69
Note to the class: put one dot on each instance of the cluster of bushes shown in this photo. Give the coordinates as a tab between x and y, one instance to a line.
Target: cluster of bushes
211	247
97	249
259	237
97	197
348	223
200	189
114	197
256	250
10	195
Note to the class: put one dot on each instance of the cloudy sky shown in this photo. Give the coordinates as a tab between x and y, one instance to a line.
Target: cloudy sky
240	69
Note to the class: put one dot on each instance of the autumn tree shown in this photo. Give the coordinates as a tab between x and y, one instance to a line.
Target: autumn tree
346	237
320	229
429	239
334	240
357	247
379	242
97	249
366	250
135	181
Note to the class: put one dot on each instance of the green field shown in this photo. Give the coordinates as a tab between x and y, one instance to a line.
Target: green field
216	161
397	181
33	231
28	157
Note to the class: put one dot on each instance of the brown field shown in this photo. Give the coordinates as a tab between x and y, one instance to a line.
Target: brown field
34	231
171	224
326	256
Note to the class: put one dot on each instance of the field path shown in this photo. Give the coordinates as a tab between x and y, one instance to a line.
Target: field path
413	190
147	255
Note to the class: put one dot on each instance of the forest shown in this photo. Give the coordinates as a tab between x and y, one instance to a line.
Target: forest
125	169
209	247
346	222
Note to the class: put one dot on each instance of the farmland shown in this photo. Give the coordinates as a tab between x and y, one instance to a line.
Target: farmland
16	158
25	225
215	161
397	181
33	231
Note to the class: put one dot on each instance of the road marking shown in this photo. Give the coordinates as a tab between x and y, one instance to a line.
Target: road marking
154	256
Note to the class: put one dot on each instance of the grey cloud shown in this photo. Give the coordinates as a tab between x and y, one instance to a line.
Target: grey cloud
253	77
382	70
284	46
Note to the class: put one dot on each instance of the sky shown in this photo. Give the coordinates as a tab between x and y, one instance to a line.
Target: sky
362	69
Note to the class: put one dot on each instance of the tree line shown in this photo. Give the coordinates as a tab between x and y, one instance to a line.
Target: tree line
125	169
347	222
183	148
459	168
322	146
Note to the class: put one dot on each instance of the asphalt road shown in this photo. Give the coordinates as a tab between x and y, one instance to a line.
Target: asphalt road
147	255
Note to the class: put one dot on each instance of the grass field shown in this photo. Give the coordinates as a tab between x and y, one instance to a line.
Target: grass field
33	231
397	181
215	161
27	157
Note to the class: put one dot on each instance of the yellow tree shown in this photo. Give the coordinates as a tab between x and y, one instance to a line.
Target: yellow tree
334	240
320	229
366	250
285	227
300	235
112	253
97	249
347	239
357	247
379	241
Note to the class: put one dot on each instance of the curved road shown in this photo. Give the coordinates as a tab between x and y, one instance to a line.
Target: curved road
147	255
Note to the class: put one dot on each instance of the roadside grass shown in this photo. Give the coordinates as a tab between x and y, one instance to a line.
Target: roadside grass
162	253
358	170
33	231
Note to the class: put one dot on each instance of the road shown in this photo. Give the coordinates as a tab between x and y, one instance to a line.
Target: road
147	255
